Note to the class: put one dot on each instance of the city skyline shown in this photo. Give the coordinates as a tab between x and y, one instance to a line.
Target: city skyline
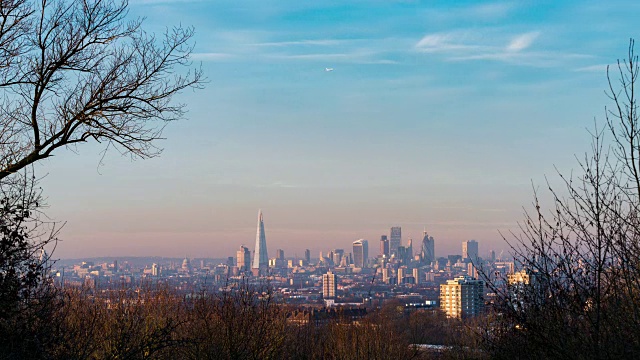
441	115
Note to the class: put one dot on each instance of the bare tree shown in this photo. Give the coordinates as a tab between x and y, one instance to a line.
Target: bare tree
78	70
71	71
580	297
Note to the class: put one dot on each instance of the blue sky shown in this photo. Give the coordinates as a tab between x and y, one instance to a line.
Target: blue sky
436	115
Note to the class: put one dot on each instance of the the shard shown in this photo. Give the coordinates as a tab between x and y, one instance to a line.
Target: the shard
260	257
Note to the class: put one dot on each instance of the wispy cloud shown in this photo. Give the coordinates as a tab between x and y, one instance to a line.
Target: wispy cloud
492	45
523	41
316	42
355	57
490	11
211	56
448	42
593	68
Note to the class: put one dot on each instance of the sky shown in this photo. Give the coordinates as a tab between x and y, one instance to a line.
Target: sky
438	115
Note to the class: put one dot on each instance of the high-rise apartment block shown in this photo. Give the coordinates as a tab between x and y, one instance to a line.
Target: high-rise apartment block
470	250
360	253
260	257
462	297
329	285
243	258
395	240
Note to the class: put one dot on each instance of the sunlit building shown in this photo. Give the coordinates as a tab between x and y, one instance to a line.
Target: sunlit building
462	297
243	258
470	250
329	285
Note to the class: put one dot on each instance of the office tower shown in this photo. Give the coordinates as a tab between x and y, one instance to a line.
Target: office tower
409	254
329	285
472	271
155	271
337	258
243	258
229	262
280	254
401	254
307	256
344	262
462	297
418	276
395	240
470	250
360	253
493	256
260	257
401	273
384	246
428	253
385	275
115	266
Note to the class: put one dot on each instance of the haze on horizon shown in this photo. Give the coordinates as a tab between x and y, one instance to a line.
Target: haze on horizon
435	116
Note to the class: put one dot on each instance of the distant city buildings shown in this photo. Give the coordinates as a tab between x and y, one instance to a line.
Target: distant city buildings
384	246
462	297
360	253
243	257
395	240
428	253
155	270
260	257
470	250
329	285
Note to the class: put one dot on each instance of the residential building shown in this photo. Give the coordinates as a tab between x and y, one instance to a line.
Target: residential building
329	285
462	297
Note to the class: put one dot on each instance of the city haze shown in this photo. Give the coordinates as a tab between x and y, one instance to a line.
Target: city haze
435	116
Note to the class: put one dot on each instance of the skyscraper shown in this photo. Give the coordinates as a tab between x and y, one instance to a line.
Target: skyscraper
360	253
307	256
260	257
243	258
428	253
470	250
409	255
329	285
384	246
280	254
395	240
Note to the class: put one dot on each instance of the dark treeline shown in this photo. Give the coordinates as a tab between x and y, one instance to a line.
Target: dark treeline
156	323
